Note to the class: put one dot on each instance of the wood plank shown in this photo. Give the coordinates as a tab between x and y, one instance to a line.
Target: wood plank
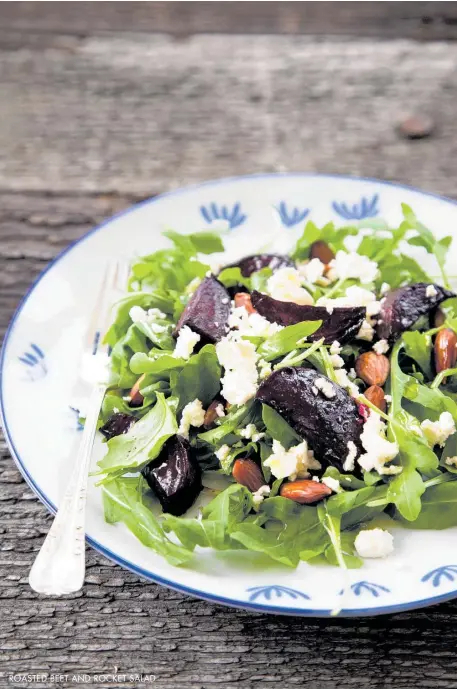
143	114
419	20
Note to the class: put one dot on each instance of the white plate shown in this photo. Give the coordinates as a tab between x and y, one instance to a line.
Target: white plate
38	371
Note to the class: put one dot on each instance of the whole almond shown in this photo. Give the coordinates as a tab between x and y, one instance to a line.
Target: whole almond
438	318
445	350
376	396
305	491
322	251
211	414
244	299
248	473
136	398
372	368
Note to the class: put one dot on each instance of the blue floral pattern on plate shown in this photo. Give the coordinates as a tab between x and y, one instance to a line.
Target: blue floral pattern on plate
35	362
440	575
268	592
233	216
366	208
362	587
292	217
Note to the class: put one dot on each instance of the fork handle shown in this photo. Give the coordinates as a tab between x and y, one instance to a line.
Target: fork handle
60	566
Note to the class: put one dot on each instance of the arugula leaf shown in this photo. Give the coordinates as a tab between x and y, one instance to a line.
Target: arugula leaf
426	239
418	346
231	277
142	442
439	508
146	300
160	365
285	340
334	236
199	379
203	242
123	501
236	418
278	429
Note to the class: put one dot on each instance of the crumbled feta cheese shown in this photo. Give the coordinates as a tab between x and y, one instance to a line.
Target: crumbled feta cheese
286	285
312	271
220	411
239	382
332	483
374	543
251	324
355	296
349	462
336	360
138	314
222	453
437	432
381	347
352	373
185	343
366	332
451	461
329	308
291	463
343	380
385	287
259	496
193	414
316	479
431	292
378	450
326	387
335	347
250	432
388	398
315	390
353	265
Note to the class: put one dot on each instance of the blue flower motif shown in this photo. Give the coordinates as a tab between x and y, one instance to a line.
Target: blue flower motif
233	216
268	592
35	362
77	413
440	574
295	216
361	587
366	208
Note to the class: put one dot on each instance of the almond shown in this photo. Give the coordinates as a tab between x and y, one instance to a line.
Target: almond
372	368
248	473
322	251
445	350
244	299
376	396
306	492
211	414
438	318
136	398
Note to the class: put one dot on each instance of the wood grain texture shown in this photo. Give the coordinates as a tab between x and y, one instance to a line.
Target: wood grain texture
89	126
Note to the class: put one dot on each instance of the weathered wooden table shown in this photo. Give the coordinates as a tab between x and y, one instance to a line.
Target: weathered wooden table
96	112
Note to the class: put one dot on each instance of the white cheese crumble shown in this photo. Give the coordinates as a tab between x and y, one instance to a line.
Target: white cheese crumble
185	343
336	360
385	287
259	496
312	271
388	398
343	380
431	292
286	285
251	324
378	450
352	373
366	332
353	265
316	479
335	347
326	387
293	463
222	453
239	382
381	347
437	432
451	461
332	483
374	543
349	462
250	432
193	414
220	411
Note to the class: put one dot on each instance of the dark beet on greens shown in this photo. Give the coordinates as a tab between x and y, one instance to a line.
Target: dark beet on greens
207	311
326	423
403	307
342	324
251	264
117	424
175	476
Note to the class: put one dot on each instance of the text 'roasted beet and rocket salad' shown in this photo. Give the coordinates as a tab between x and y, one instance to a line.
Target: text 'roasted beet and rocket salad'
313	395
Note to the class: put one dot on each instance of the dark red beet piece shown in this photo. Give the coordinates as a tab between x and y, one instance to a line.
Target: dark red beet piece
207	311
117	424
402	307
175	476
327	424
342	324
251	264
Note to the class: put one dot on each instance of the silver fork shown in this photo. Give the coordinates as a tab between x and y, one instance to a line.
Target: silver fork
60	566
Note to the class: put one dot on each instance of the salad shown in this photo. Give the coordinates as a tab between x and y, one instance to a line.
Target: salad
298	405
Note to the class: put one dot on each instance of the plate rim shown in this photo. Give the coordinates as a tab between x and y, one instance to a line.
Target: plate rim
118	559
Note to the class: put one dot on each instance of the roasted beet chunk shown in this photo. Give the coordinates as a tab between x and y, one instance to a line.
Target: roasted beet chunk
251	264
117	424
207	311
342	324
403	307
327	423
175	476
